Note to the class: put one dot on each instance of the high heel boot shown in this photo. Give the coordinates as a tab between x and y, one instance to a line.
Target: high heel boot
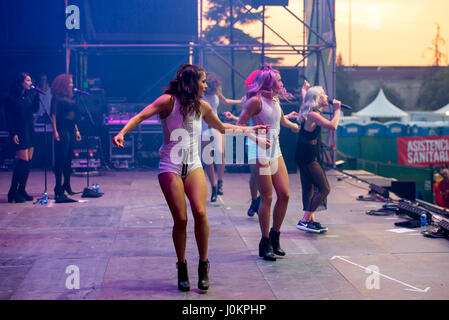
183	277
266	250
274	239
203	275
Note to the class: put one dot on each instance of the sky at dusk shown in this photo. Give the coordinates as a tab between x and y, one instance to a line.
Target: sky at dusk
384	32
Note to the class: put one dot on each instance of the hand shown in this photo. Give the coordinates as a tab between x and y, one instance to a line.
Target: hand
337	104
295	129
263	142
228	115
15	139
78	136
305	87
292	115
261	129
56	135
118	140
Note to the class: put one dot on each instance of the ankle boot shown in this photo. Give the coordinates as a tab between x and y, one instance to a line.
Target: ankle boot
203	275
60	197
266	250
183	277
213	197
220	187
274	239
23	181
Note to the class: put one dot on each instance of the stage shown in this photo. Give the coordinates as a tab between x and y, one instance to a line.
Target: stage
121	245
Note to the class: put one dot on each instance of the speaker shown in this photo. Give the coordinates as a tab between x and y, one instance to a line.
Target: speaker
404	189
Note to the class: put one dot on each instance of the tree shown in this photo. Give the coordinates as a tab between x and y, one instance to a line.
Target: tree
344	89
438	56
435	93
219	14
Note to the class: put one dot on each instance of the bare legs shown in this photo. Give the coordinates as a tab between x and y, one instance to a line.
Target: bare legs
265	182
174	190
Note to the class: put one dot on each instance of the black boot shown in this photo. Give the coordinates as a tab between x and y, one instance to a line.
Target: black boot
67	174
213	197
13	195
60	197
203	275
23	181
274	238
220	187
254	207
266	250
183	276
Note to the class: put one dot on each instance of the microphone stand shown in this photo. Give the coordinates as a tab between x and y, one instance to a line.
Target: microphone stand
44	199
88	193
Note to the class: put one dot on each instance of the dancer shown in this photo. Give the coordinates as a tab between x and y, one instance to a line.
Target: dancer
180	109
64	115
255	199
214	96
269	170
20	106
307	153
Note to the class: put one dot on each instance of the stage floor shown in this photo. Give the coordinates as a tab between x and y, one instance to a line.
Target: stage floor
122	246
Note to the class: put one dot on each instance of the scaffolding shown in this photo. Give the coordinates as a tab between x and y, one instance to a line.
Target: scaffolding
316	54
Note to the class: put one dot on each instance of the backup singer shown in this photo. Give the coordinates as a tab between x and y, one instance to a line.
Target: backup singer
64	115
20	106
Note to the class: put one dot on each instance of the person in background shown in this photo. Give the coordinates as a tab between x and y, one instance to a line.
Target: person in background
214	96
44	98
443	187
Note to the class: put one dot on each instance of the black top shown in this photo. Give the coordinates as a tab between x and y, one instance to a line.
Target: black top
66	112
307	148
19	111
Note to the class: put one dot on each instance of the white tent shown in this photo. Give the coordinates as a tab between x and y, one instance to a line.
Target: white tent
382	108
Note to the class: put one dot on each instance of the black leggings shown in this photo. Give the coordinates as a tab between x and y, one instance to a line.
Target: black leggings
312	174
63	157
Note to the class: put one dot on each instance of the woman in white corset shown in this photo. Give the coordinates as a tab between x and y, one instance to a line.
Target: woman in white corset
268	166
214	97
180	172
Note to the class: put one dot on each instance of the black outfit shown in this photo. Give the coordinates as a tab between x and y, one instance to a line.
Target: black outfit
19	117
66	112
312	174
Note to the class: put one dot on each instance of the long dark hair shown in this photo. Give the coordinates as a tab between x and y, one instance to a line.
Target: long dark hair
16	86
185	87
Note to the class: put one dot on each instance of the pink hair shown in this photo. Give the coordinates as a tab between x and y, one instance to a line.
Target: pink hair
265	81
249	81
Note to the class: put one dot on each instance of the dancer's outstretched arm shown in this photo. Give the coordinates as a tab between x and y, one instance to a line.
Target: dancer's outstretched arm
161	104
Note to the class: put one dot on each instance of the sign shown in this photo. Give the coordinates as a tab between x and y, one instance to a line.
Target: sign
423	151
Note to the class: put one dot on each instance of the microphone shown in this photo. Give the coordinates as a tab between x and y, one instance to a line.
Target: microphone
81	91
344	106
37	89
